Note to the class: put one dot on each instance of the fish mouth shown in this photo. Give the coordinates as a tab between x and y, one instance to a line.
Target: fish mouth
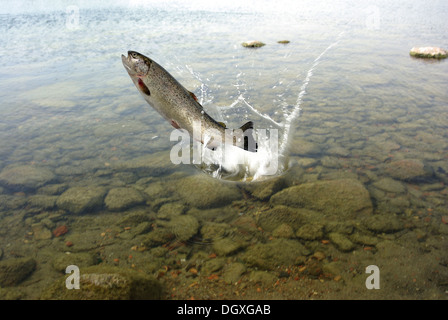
126	62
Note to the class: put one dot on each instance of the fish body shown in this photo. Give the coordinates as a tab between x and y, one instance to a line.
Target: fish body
180	106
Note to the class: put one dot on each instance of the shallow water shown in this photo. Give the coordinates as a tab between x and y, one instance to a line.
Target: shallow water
365	163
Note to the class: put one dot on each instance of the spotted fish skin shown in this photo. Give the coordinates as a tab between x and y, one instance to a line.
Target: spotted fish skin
178	105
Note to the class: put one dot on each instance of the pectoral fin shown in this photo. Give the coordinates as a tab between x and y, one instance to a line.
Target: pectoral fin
193	96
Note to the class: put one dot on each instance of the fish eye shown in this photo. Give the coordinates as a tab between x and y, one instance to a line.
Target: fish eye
134	55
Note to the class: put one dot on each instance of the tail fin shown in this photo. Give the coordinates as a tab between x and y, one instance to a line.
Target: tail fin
249	142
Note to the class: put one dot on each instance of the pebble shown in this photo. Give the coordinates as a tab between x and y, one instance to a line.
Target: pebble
59	231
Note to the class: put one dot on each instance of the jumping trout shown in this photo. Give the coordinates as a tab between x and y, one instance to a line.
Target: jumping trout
180	106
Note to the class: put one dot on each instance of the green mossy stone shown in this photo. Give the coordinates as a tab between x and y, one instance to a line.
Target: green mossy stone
106	283
119	199
81	199
14	271
204	192
278	252
24	176
344	198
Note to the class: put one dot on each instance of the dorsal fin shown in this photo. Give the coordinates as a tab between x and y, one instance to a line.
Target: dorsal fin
222	124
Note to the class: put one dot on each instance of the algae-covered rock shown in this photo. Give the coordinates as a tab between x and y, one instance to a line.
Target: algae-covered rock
263	277
213	265
205	192
25	176
383	223
408	169
233	272
270	219
390	185
82	259
278	252
106	283
304	147
134	217
14	271
41	232
345	198
283	231
119	199
151	165
168	210
428	52
310	231
341	242
81	199
226	246
42	201
157	237
265	189
183	227
214	230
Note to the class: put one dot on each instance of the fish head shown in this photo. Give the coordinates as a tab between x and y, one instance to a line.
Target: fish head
136	64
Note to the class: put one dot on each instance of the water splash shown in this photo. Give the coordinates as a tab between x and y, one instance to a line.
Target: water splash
292	117
233	163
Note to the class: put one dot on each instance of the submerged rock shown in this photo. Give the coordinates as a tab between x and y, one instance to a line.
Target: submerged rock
151	165
428	52
81	259
310	231
226	246
119	199
390	185
341	242
408	169
203	192
345	198
233	272
107	283
265	189
183	227
278	252
81	199
271	219
14	271
383	223
262	277
26	176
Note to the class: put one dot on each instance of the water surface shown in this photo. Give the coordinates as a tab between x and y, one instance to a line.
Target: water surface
368	118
